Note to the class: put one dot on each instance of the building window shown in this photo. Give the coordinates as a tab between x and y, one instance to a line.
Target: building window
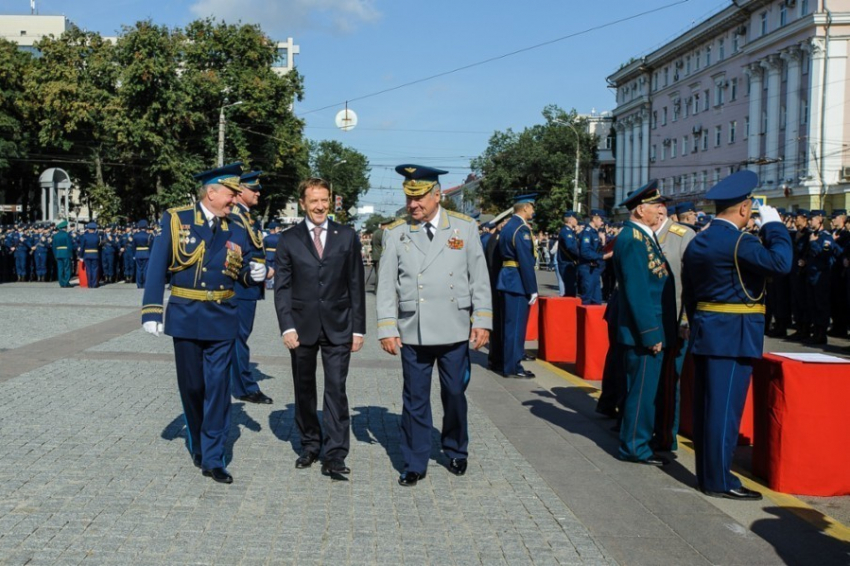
687	107
716	175
706	101
704	140
673	146
721	49
676	108
763	25
747	127
733	129
682	181
693	182
696	60
804	7
663	152
703	181
804	112
655	81
654	119
708	56
736	43
718	135
688	65
733	90
718	94
282	59
783	15
696	104
666	76
653	152
664	116
694	143
685	145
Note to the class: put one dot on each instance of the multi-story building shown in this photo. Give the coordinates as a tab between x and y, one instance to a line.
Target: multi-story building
600	183
761	84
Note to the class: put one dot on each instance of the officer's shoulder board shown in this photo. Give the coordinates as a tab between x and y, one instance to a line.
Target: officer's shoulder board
459	215
637	234
678	229
395	224
177	209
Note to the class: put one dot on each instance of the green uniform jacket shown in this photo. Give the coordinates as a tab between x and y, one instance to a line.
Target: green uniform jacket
62	245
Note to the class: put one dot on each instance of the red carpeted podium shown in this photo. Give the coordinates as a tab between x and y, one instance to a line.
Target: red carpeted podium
802	426
531	331
686	407
592	344
81	273
557	340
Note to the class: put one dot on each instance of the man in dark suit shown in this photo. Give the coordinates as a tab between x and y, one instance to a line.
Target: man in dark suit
320	300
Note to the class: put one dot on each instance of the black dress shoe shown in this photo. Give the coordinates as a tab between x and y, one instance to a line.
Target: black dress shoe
196	459
528	358
335	467
457	466
409	479
523	374
654	460
610	413
742	493
306	460
218	474
257	397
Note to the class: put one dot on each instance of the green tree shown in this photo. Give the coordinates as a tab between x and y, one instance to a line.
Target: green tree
15	173
539	159
374	221
345	168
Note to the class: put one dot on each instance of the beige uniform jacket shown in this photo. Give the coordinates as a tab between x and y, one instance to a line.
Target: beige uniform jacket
674	239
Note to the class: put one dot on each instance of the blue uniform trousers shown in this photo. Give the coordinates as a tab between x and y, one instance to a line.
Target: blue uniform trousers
667	400
129	267
515	310
92	272
141	268
108	264
817	301
643	371
417	364
567	273
63	271
242	380
203	380
40	265
21	266
720	391
589	284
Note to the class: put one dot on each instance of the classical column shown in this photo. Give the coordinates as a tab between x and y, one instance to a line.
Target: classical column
815	47
619	177
636	123
755	73
43	204
792	57
773	64
644	140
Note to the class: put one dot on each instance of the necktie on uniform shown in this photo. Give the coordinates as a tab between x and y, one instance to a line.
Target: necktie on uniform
317	240
429	230
216	222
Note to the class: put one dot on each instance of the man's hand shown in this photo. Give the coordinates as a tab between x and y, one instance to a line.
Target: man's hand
356	343
684	332
258	272
813	237
270	274
656	348
608	256
478	337
532	300
391	345
152	327
290	340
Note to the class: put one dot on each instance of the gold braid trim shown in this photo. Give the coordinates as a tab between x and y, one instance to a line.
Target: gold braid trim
256	237
752	299
180	258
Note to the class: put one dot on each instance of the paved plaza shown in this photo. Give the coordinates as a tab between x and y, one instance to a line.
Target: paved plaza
93	468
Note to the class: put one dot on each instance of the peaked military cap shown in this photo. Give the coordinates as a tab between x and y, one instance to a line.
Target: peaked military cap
61	225
647	194
142	224
781	210
91	226
418	179
735	188
802	212
251	179
272	225
686	207
570	214
836	212
525	199
227	175
816	212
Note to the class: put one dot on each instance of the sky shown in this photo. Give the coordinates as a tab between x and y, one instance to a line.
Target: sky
540	52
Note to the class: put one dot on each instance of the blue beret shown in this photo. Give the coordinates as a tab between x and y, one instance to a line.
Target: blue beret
142	224
816	212
735	188
251	179
686	207
802	212
647	194
525	199
838	212
570	214
227	175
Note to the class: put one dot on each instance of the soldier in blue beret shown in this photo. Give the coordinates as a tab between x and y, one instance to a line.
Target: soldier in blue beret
592	259
724	282
838	288
205	254
243	384
568	253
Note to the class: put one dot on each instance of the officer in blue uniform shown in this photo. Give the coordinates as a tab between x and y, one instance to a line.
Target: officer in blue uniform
820	256
128	255
797	278
838	296
646	319
686	212
270	246
568	253
723	290
39	254
242	382
142	244
109	252
21	247
89	250
517	284
591	261
62	252
205	254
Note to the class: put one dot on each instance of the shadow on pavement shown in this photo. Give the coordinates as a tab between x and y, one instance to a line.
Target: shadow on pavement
376	425
238	419
282	425
784	531
258	374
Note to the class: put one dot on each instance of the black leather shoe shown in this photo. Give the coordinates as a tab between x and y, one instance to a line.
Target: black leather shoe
335	467
654	460
409	479
742	493
523	374
196	459
306	460
798	336
610	413
528	358
457	466
257	397
218	474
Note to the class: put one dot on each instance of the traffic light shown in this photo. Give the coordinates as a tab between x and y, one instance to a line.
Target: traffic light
338	203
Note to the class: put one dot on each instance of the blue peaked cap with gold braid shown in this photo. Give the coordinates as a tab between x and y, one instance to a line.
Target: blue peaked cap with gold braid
418	179
228	175
251	179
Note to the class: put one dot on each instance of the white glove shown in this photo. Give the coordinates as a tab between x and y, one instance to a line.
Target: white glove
533	299
258	271
768	214
152	327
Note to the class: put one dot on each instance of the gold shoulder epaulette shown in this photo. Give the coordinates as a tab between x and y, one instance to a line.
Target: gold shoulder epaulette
459	215
678	229
177	209
395	224
636	234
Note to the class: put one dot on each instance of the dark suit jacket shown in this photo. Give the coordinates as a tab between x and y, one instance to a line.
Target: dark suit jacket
312	294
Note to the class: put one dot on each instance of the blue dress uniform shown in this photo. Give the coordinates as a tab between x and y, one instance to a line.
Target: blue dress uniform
646	316
39	254
129	257
204	264
270	243
797	278
723	286
838	296
819	258
517	283
242	382
109	252
142	244
22	247
591	265
89	246
63	252
568	256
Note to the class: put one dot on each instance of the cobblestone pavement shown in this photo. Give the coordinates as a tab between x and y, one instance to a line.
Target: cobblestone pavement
93	469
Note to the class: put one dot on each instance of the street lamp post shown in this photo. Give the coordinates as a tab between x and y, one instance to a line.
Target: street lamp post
331	179
576	203
221	123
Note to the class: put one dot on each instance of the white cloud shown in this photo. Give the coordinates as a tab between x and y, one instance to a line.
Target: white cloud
291	16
